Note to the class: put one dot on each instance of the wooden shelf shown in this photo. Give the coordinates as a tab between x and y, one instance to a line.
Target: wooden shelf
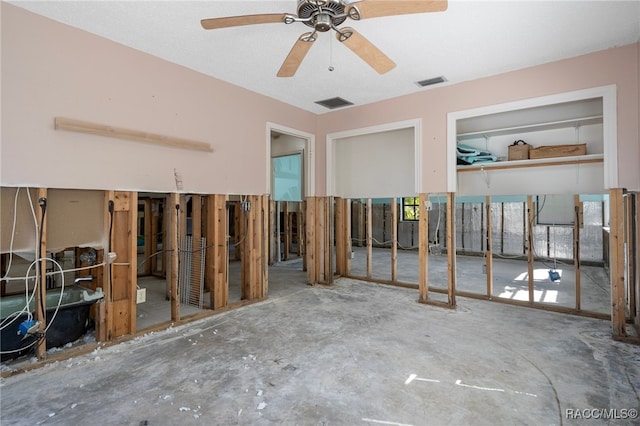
519	164
596	119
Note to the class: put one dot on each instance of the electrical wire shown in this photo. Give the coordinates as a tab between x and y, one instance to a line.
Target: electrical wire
13	232
27	308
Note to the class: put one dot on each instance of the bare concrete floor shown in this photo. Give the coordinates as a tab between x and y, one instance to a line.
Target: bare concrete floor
510	278
354	353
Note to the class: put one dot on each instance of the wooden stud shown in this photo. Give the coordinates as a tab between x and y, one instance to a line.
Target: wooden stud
104	317
174	212
273	231
41	294
318	244
394	237
361	224
255	255
328	241
462	226
617	243
576	246
298	216
238	226
124	271
148	239
369	239
218	257
320	241
502	228
254	269
264	233
341	256
529	237
196	247
636	248
451	249
423	250
631	254
347	233
310	220
629	263
302	234
155	230
286	232
489	247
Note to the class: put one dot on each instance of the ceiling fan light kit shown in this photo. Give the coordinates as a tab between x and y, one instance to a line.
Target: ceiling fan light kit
326	15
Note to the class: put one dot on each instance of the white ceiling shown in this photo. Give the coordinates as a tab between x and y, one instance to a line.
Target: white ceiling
470	40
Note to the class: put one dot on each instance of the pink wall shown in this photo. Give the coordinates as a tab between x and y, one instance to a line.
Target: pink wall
618	66
49	70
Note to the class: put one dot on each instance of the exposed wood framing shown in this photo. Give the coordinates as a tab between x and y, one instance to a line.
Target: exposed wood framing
369	239
576	246
262	244
318	246
217	260
156	229
273	231
147	232
104	318
341	249
41	294
196	247
629	206
255	241
489	247
343	236
394	238
174	212
238	227
423	251
286	231
299	229
302	234
451	249
127	134
361	217
124	271
636	249
617	261
529	238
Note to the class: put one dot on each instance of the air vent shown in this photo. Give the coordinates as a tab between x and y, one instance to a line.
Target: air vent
431	81
334	103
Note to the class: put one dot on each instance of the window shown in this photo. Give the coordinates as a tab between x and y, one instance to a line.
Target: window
411	208
287	177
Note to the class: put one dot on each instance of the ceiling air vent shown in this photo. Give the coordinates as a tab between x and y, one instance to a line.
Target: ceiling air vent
334	103
431	81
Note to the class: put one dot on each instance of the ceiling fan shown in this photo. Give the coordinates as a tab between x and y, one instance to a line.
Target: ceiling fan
325	15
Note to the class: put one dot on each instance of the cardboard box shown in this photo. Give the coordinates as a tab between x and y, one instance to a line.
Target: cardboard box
551	151
519	150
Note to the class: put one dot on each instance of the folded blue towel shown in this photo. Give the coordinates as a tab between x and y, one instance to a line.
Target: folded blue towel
469	155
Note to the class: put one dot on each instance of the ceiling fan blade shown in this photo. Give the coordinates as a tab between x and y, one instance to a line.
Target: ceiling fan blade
366	50
237	21
377	8
296	55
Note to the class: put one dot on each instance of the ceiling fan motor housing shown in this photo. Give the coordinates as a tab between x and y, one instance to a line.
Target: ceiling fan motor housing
321	15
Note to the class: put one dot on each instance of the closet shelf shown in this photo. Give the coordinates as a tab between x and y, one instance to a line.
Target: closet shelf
575	122
519	164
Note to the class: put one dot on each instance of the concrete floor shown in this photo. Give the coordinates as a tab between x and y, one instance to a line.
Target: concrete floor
354	353
510	278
